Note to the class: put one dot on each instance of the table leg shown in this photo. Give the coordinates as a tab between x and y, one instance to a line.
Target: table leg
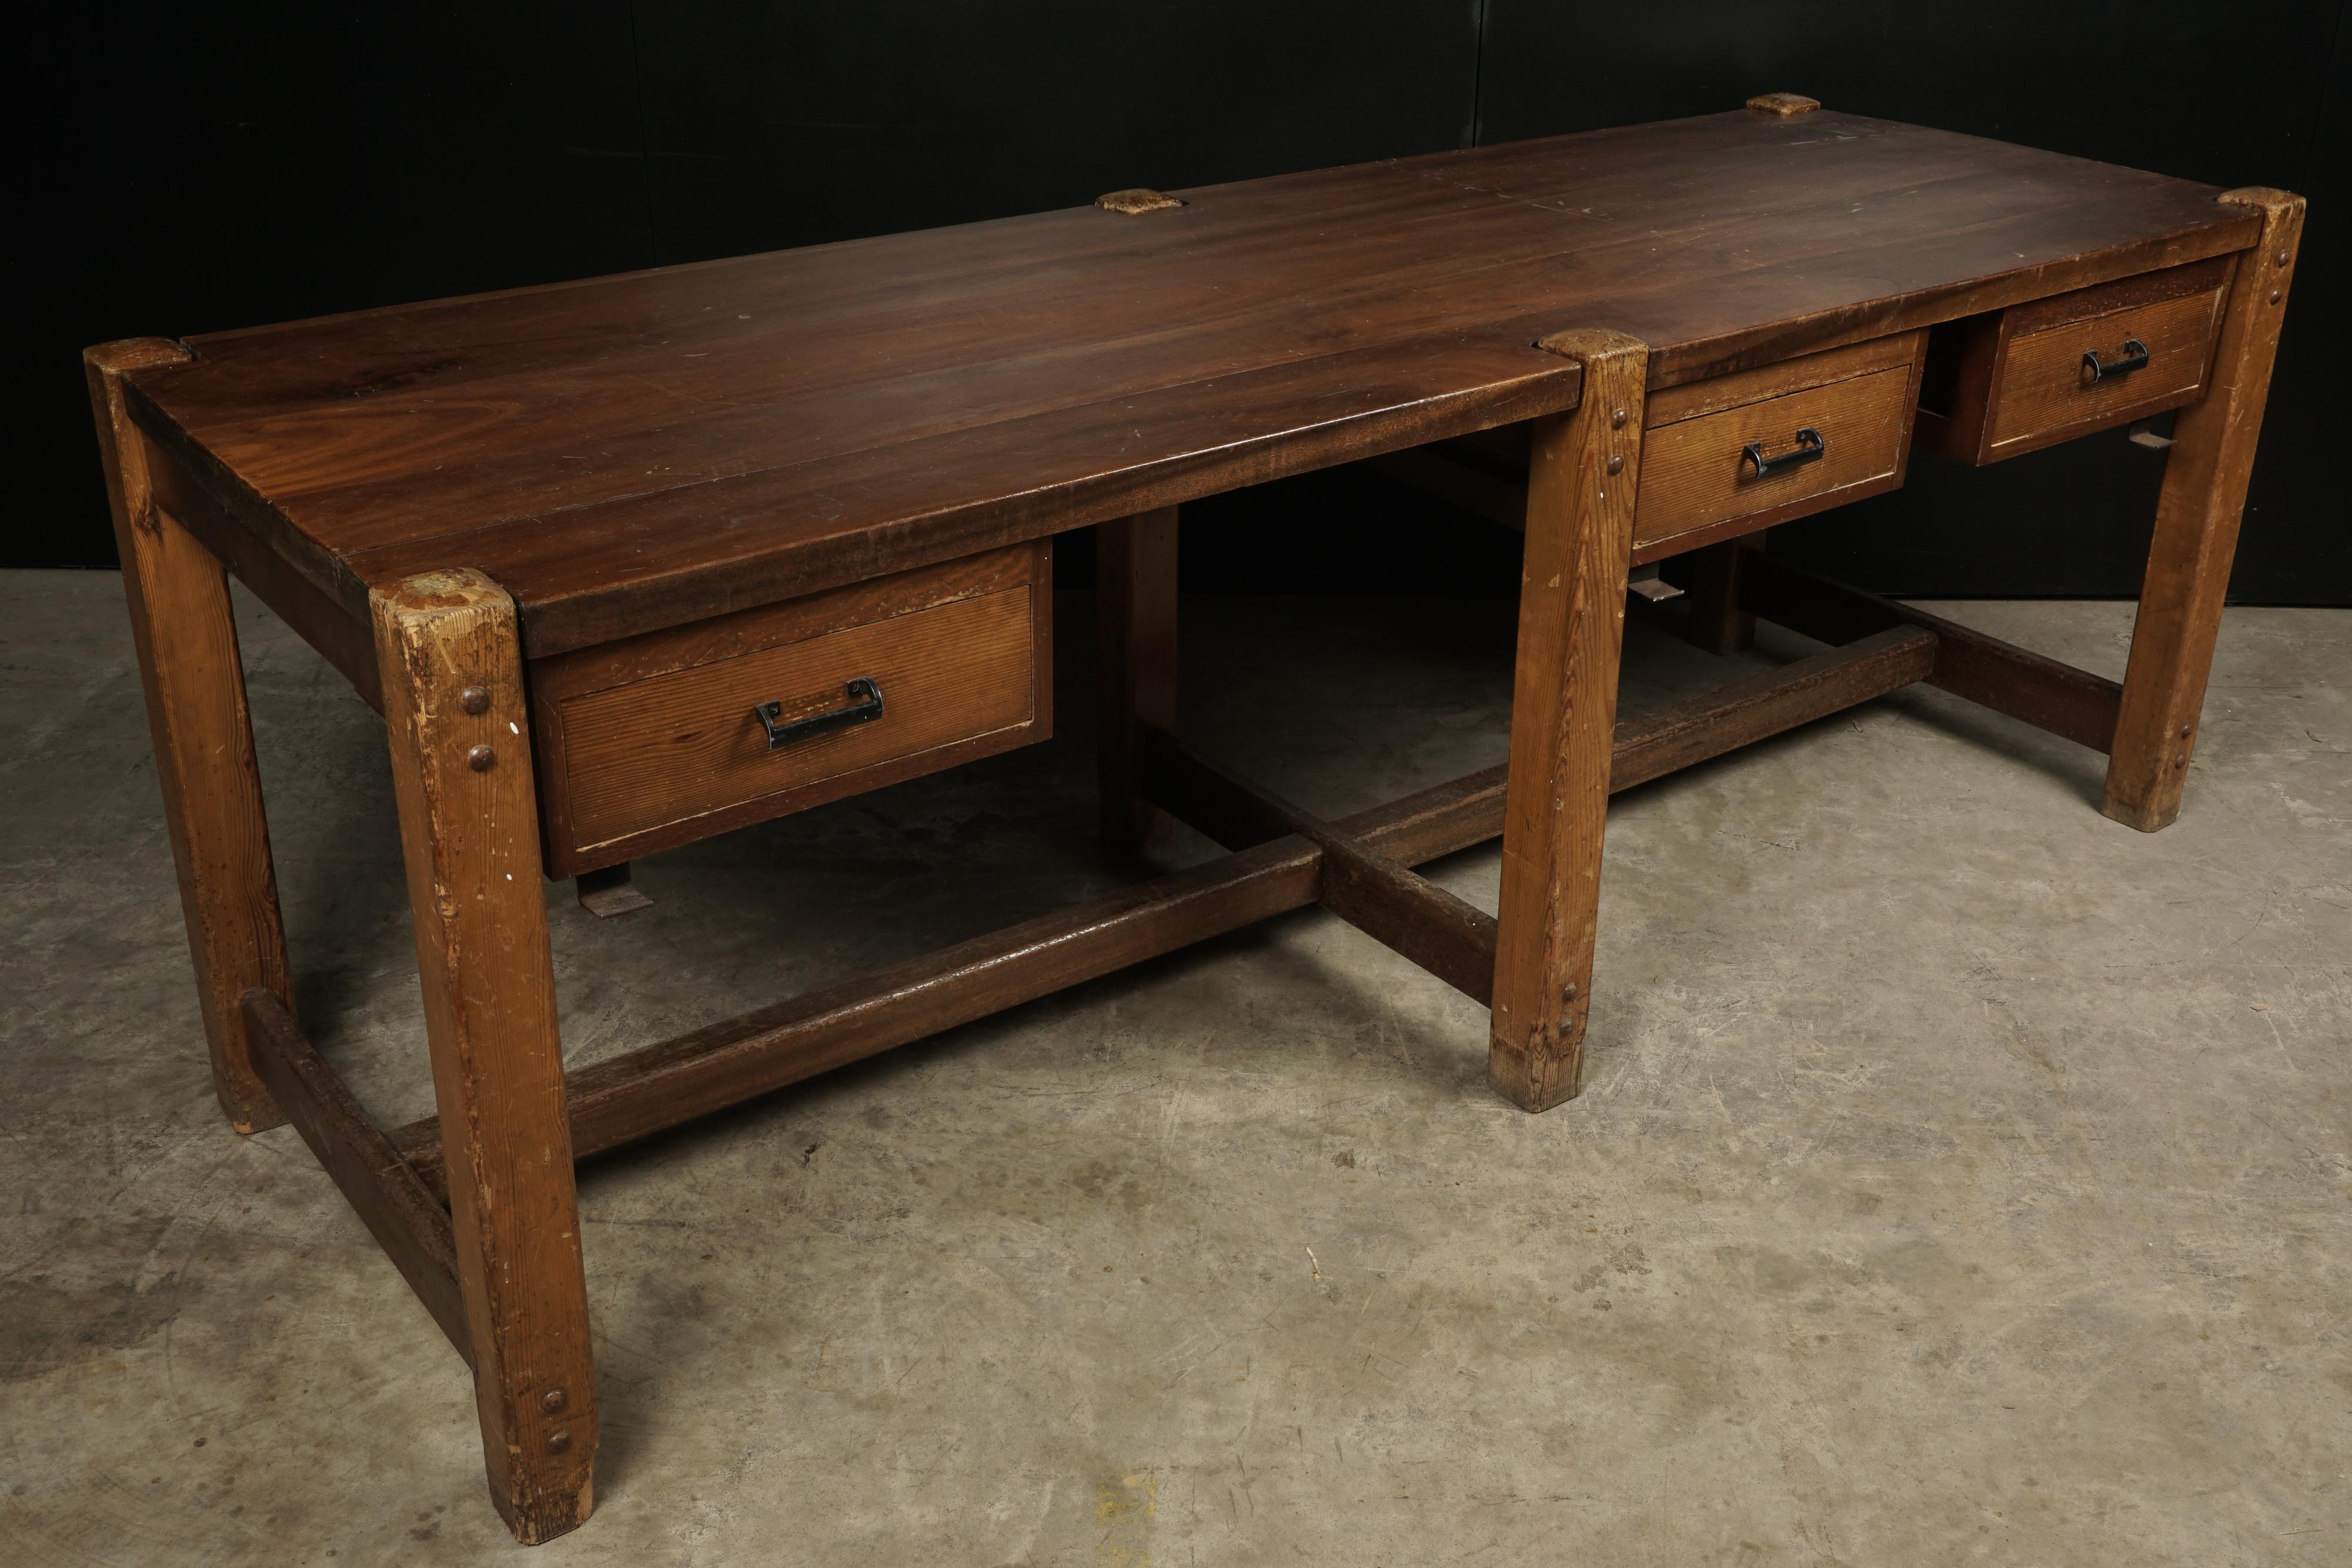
2196	517
1579	544
186	638
1136	667
1717	623
455	710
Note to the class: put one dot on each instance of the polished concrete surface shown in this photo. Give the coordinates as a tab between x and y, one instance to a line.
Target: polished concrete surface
1962	1177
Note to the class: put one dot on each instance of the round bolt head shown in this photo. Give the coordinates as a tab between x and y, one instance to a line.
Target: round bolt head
2281	258
473	699
2182	760
1616	419
559	1440
2184	732
2277	295
1568	993
480	759
1616	462
552	1400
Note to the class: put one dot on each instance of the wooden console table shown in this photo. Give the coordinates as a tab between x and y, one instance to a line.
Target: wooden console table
626	562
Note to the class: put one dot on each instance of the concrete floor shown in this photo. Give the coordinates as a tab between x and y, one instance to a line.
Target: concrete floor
1962	1176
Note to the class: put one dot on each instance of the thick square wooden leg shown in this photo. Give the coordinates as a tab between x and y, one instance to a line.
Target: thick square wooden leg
453	709
1136	667
1580	544
2196	519
1717	623
188	662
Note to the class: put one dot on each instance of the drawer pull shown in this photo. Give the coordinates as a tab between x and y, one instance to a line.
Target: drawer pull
864	694
2135	358
1810	448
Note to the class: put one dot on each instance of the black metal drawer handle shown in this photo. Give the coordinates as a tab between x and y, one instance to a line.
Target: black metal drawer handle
864	694
1810	448
2134	359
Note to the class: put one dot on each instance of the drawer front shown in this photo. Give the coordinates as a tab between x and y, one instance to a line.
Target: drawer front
656	743
1699	483
2015	381
2046	393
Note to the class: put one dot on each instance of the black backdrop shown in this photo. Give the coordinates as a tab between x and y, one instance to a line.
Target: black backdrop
257	160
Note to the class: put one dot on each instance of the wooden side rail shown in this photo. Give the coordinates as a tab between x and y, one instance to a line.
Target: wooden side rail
664	1085
1452	939
1669	739
406	1218
2067	702
661	1086
2076	703
1356	865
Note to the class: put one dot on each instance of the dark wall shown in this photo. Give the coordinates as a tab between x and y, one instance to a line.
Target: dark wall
829	121
246	162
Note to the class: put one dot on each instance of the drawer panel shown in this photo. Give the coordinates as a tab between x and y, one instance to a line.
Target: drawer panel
1698	484
2045	391
655	742
2015	381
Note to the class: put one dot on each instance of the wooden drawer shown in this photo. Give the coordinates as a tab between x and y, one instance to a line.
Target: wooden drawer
2016	379
653	742
1699	482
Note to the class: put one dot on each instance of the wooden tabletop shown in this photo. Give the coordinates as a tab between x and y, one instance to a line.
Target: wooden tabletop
628	453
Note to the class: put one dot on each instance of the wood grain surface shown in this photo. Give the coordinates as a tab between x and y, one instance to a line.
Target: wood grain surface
1583	472
635	452
453	691
1696	485
2008	381
1135	660
685	744
2196	518
185	631
1690	399
1694	473
680	746
2045	396
651	741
